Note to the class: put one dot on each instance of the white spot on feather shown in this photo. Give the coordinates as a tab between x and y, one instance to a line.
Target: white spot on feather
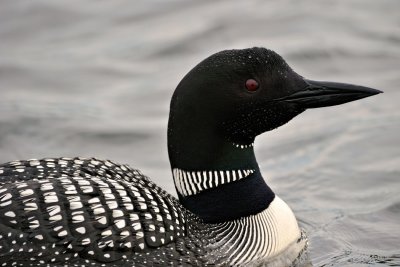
40	237
102	219
53	210
10	214
98	211
120	224
55	218
5	197
78	219
94	200
62	233
106	233
34	224
81	230
124	234
76	205
117	213
30	206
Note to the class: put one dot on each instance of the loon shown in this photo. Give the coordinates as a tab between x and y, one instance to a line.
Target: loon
91	212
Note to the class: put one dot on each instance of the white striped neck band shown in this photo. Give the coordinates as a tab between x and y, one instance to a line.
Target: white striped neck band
193	182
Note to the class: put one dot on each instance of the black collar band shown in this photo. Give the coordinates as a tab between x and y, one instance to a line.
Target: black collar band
231	201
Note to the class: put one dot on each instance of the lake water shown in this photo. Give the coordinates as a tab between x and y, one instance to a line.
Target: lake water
94	78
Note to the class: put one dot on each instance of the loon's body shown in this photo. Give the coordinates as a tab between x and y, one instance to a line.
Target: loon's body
89	212
92	212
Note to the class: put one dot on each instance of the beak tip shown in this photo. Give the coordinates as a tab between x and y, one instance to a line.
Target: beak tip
372	92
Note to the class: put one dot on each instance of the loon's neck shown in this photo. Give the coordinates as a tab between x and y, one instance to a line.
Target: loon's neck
220	181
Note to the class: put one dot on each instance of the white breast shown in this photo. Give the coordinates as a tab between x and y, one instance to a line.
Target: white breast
260	237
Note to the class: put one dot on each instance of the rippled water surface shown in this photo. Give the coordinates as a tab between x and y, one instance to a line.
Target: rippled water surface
94	78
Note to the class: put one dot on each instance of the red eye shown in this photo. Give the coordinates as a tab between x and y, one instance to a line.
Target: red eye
251	85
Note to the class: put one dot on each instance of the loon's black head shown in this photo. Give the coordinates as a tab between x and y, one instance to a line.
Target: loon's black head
218	109
235	95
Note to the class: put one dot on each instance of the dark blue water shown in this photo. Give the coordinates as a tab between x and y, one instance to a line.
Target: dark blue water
94	78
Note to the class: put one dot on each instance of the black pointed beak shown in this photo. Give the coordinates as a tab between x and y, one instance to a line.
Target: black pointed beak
323	94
